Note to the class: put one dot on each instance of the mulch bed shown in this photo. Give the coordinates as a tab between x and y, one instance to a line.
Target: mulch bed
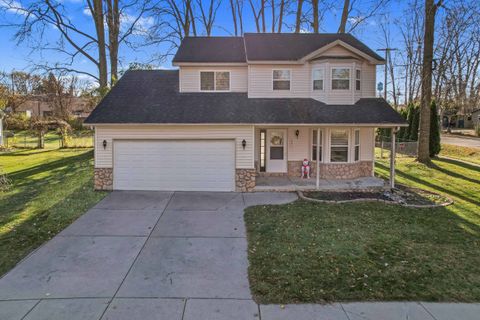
402	195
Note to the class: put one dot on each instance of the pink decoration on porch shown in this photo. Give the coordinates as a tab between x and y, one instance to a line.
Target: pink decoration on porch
305	168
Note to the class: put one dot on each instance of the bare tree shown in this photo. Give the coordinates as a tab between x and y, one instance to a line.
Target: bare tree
208	15
77	40
298	18
358	12
344	18
424	128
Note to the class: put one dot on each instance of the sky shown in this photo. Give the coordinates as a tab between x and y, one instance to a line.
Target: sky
15	56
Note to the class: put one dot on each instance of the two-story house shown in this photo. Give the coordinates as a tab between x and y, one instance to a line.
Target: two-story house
239	107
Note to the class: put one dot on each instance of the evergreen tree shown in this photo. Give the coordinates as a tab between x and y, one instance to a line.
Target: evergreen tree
414	126
434	131
410	111
401	132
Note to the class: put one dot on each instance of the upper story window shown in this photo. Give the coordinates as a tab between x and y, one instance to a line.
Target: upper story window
215	81
358	79
357	145
339	146
340	79
281	79
317	77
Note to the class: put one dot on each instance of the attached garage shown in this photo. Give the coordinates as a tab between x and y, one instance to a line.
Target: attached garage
174	165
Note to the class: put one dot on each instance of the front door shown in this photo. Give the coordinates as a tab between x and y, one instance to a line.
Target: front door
276	150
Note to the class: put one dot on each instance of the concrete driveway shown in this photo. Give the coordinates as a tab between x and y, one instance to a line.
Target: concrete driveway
142	255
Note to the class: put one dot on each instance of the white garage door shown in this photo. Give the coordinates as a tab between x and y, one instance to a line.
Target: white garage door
183	165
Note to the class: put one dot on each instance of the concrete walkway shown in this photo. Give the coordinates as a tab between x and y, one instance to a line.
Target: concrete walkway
290	184
168	256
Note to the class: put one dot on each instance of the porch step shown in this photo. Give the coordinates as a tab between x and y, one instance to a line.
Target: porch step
272	174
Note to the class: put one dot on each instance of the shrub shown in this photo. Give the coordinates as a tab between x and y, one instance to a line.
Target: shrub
18	121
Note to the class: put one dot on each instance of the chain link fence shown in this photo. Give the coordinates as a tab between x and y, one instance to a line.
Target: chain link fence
404	147
52	140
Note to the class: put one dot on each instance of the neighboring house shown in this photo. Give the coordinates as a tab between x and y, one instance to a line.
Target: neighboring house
239	107
39	106
476	118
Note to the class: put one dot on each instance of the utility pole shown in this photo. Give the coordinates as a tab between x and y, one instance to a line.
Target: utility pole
387	54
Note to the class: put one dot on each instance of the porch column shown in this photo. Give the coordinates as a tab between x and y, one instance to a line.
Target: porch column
318	158
392	157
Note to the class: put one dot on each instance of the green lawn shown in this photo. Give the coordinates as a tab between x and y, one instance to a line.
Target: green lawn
463	153
309	252
50	189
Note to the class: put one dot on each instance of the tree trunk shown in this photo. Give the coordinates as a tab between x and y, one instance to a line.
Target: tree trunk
280	16
343	21
113	23
98	17
262	12
240	15
273	16
424	130
298	20
234	17
315	15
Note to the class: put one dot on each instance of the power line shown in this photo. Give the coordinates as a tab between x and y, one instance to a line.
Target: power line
387	54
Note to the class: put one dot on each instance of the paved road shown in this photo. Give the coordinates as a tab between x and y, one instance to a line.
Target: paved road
461	141
168	256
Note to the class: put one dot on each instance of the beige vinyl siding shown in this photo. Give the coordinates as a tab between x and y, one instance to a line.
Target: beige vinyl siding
341	96
190	77
367	144
299	149
369	75
338	51
260	81
243	158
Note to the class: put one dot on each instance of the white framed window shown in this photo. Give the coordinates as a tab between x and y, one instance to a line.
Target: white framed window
317	144
317	78
356	145
281	79
215	80
358	80
339	145
340	79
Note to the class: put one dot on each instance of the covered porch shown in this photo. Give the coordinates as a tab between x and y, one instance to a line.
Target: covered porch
286	184
339	157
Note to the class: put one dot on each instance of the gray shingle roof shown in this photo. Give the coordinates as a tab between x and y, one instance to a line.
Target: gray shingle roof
211	49
261	47
151	96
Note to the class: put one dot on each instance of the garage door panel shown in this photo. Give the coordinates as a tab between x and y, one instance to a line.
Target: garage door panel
187	165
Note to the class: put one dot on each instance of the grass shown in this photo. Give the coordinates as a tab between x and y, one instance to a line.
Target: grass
308	252
462	153
50	189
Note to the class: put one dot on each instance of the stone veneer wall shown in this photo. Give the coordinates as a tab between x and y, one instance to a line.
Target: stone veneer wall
245	179
103	178
334	170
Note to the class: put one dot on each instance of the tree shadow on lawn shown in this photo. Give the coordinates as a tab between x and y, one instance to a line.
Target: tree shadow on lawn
431	185
25	190
43	225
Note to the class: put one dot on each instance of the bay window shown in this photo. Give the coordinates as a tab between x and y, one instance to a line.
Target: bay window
357	145
340	79
339	145
317	77
358	78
